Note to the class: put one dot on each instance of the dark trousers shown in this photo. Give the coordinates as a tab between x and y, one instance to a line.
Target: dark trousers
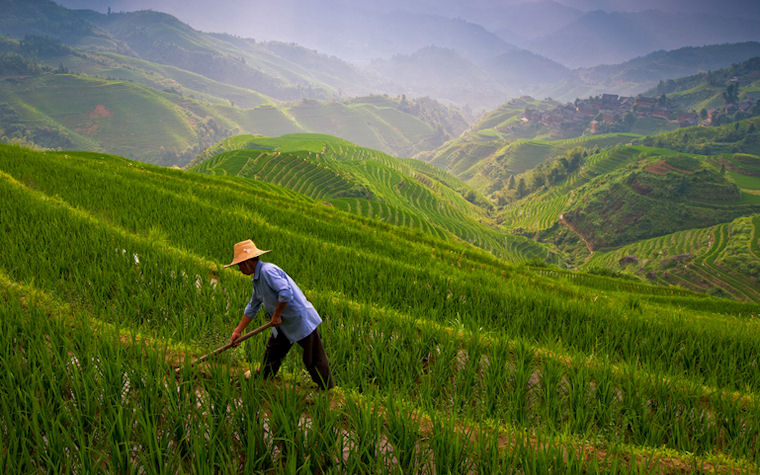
314	358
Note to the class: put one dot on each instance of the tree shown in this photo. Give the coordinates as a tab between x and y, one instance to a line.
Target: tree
521	188
731	94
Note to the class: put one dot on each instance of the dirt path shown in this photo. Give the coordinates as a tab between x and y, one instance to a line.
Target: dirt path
575	231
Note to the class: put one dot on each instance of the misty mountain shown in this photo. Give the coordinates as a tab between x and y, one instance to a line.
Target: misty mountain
734	8
281	71
526	21
649	69
524	70
441	73
45	18
600	37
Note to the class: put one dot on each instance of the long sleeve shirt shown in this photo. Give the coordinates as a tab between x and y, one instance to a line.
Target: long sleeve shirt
272	285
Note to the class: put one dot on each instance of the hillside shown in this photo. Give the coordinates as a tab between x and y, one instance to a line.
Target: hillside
607	374
720	96
243	82
48	19
369	183
737	137
165	115
284	72
722	260
525	133
642	74
626	194
658	193
506	143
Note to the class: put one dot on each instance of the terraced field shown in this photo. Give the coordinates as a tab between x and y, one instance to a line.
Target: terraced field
720	259
481	163
543	209
367	182
446	358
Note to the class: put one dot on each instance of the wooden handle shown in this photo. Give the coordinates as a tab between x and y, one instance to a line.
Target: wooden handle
230	345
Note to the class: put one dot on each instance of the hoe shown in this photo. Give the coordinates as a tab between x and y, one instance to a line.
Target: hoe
230	345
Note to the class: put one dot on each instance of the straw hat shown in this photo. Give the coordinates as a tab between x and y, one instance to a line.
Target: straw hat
245	250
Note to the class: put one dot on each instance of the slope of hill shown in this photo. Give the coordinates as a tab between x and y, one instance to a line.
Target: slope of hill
721	259
641	74
48	19
505	143
630	193
482	156
367	182
282	71
62	110
163	39
659	193
727	91
738	137
466	362
153	115
663	65
487	134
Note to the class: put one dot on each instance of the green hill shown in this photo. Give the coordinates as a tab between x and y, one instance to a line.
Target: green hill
151	117
45	18
627	194
641	75
708	90
369	183
111	273
488	164
229	81
723	259
738	137
660	193
61	110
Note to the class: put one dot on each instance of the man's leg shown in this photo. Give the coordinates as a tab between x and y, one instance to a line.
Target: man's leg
276	350
315	359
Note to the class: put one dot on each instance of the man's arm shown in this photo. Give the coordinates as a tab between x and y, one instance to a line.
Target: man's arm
244	321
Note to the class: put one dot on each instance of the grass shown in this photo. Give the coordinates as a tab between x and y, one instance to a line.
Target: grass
565	375
699	259
367	182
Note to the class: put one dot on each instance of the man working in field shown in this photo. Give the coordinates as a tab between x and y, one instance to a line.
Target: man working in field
293	317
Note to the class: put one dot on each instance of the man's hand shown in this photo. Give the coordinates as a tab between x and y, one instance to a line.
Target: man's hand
235	336
277	315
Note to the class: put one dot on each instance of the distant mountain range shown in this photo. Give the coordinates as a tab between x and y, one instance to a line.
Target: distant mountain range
508	49
418	54
574	33
611	37
209	86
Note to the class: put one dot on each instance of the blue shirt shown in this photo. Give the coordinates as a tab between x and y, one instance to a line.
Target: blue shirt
272	285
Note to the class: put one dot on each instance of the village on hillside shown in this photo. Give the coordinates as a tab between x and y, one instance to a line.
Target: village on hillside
613	113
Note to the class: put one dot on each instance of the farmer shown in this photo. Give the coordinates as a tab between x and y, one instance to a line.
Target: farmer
293	317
